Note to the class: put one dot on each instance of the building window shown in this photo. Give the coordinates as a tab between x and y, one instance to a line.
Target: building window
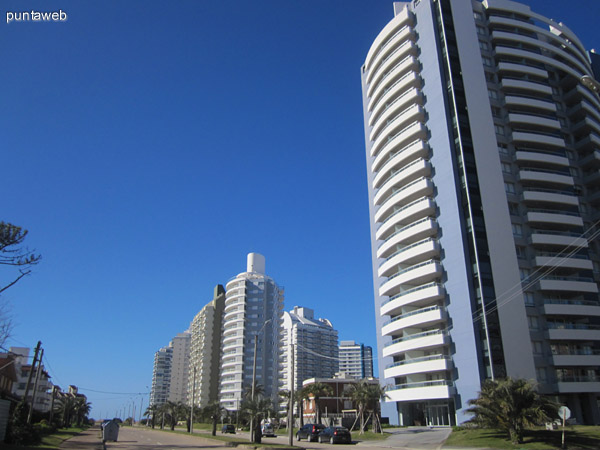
517	229
524	274
540	372
520	252
492	94
506	168
481	31
483	45
533	322
529	299
499	128
510	188
536	347
503	149
513	209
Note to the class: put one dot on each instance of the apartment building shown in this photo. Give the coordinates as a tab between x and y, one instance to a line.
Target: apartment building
483	150
355	360
251	323
170	371
315	347
203	372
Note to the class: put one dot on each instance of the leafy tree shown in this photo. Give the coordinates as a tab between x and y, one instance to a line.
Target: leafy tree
318	390
359	395
511	405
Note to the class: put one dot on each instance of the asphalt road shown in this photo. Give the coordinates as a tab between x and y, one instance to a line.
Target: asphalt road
401	438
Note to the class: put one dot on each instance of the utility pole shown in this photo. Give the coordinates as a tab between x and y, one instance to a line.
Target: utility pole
141	404
35	386
37	349
193	400
291	409
52	404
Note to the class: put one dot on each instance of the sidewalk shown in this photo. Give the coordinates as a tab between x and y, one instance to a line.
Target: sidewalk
88	439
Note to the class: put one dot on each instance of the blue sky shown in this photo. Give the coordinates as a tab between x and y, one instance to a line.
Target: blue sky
148	146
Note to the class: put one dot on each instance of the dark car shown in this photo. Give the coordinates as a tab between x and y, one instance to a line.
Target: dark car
228	428
333	435
309	431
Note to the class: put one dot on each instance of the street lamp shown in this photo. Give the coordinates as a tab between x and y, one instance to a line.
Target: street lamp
252	433
590	83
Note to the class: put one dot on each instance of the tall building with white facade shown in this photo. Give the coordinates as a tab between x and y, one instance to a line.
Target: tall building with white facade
205	329
482	156
253	308
315	348
170	372
355	360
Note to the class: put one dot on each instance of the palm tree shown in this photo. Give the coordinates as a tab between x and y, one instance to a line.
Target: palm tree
171	411
81	409
512	406
359	394
375	394
152	411
318	390
215	409
66	407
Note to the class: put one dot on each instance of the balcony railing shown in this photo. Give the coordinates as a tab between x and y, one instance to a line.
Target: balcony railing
411	313
408	269
408	247
411	291
416	336
418	360
421	384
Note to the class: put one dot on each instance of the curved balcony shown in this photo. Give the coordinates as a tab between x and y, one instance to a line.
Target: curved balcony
424	364
510	84
411	212
233	316
554	217
429	315
416	169
403	34
568	284
376	75
518	53
537	138
533	174
515	100
400	139
413	232
558	238
427	339
411	151
557	261
590	142
547	196
507	67
578	385
400	102
419	296
401	77
413	275
403	18
533	121
421	187
427	390
426	249
393	120
592	160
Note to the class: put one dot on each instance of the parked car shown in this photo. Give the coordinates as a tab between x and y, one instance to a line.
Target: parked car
228	428
309	431
268	430
333	435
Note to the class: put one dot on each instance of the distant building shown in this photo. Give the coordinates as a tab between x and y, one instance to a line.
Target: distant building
335	405
161	376
252	312
315	347
43	394
203	373
355	360
170	374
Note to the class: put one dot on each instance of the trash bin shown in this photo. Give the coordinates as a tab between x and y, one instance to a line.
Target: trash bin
110	431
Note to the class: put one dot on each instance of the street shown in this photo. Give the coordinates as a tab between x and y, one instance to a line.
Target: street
401	438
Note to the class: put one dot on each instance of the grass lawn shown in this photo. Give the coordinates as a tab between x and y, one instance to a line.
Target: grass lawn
576	437
50	441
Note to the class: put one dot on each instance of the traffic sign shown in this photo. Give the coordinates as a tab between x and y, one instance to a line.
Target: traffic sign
564	413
